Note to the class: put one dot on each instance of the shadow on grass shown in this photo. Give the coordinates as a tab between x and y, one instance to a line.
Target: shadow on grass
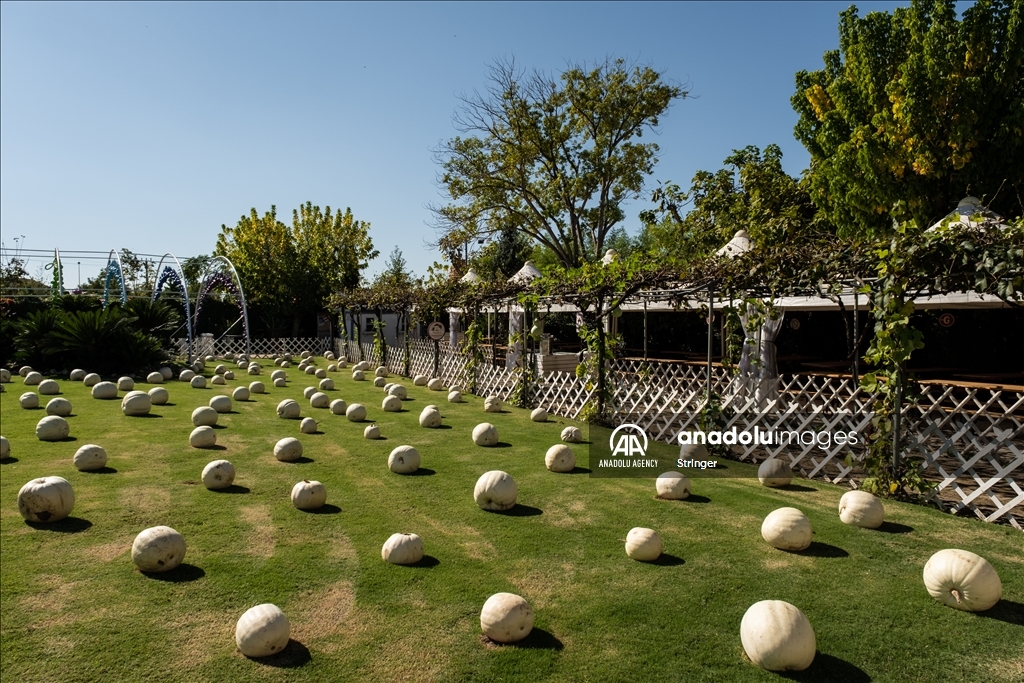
294	655
667	560
579	470
828	668
325	509
219	426
102	470
894	528
519	510
796	487
183	573
427	562
66	439
301	460
422	472
147	415
214	447
165	404
234	488
539	639
501	444
8	460
442	426
1005	610
817	549
68	525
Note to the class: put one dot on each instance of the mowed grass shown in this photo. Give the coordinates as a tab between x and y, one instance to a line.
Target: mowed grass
74	608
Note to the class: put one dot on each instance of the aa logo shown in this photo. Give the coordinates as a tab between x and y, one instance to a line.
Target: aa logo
629	441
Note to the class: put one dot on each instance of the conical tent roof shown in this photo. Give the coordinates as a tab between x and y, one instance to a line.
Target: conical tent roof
737	245
526	273
609	256
470	276
968	212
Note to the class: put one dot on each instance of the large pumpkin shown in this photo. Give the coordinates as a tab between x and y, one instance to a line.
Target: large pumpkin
46	499
862	509
496	490
506	618
404	460
777	636
962	580
787	529
262	631
402	549
158	549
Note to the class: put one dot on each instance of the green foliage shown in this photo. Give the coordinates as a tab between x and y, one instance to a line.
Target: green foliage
504	256
552	159
35	341
917	108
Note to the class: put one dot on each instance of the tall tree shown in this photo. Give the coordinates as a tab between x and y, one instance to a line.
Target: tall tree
916	107
554	159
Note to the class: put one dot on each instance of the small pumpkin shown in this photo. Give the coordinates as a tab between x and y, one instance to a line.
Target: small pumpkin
58	406
485	434
218	474
860	508
288	449
404	460
158	549
309	495
262	631
643	544
158	396
402	549
774	473
506	618
288	409
672	485
539	415
204	415
560	458
89	458
356	412
787	529
572	435
203	437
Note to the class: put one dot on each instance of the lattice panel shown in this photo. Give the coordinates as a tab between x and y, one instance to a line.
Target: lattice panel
563	393
261	348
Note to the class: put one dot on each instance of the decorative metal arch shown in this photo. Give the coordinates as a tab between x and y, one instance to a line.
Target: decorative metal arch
114	270
175	275
221	272
57	284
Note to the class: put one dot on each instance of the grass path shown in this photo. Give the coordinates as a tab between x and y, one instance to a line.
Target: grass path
74	608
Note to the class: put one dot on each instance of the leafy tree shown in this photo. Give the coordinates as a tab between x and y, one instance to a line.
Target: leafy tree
503	256
916	109
291	272
554	159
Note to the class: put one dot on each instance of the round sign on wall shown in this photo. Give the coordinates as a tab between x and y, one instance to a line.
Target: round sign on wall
435	331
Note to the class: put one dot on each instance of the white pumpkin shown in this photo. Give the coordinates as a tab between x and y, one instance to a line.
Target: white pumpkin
29	400
643	544
240	394
371	432
420	380
218	380
48	387
391	404
198	382
862	509
155	378
77	375
777	636
52	428
222	404
774	473
158	549
125	384
560	458
253	370
539	415
33	378
404	460
329	355
229	375
430	418
286	364
380	382
167	373
320	373
280	383
455	397
495	490
309	495
90	457
104	390
210	359
204	415
485	434
455	387
158	396
288	449
5	448
308	425
46	499
319	400
91	380
326	384
305	354
381	371
262	631
136	403
342	365
186	375
333	367
435	384
398	391
358	375
220	369
257	388
672	485
203	437
787	529
218	474
24	370
356	412
962	580
288	409
492	404
402	549
572	435
243	364
338	406
308	391
5	375
506	618
310	370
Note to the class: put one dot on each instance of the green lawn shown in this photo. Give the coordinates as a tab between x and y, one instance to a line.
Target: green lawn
74	607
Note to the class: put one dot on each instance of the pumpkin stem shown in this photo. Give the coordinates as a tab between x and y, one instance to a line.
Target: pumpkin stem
956	594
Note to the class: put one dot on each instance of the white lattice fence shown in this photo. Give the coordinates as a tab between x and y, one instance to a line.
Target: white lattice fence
563	393
260	348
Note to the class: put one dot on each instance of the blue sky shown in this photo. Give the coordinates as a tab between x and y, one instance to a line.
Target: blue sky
147	126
